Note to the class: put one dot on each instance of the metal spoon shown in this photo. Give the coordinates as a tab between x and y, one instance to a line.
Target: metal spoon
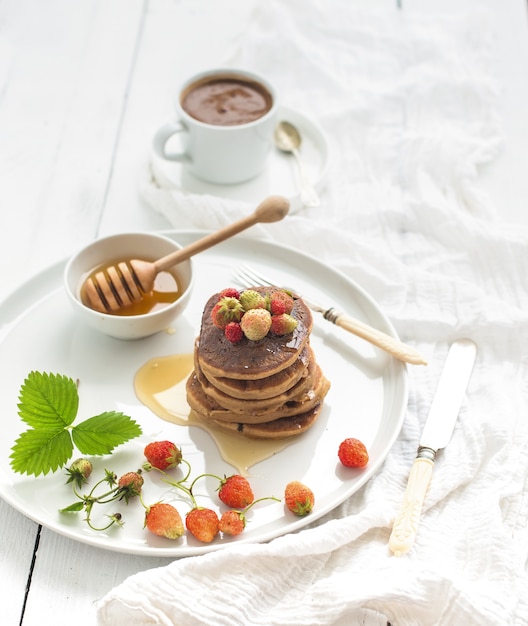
288	139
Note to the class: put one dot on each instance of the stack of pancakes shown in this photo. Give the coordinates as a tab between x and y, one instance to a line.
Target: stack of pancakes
267	389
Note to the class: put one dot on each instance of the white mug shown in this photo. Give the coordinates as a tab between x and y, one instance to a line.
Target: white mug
220	151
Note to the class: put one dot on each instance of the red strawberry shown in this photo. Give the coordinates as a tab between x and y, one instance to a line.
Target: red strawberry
233	332
226	310
229	292
232	522
235	492
299	498
163	454
164	520
202	523
283	324
280	302
130	485
353	453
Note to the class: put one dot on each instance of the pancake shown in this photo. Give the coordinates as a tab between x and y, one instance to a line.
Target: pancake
278	429
259	405
207	407
275	384
272	388
251	360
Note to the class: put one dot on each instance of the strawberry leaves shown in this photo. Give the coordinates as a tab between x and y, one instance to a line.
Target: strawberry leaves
48	400
101	434
40	450
48	404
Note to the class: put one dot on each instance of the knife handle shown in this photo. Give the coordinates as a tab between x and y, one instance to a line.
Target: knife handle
391	345
408	518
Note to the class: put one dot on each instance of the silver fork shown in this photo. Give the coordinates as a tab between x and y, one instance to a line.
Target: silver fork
246	276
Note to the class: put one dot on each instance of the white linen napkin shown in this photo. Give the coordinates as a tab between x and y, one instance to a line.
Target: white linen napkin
410	106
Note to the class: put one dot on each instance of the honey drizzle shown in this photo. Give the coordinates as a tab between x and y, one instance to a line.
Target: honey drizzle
160	385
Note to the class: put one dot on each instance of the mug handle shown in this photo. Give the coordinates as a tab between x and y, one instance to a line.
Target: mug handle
163	135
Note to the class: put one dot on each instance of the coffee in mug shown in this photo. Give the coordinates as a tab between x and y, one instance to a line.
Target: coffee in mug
226	100
226	120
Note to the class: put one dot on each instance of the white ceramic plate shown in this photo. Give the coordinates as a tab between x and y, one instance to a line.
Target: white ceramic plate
367	399
279	177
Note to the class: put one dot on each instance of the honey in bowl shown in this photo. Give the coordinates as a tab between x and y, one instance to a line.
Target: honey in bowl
166	291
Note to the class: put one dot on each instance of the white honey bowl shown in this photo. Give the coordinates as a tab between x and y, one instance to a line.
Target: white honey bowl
147	246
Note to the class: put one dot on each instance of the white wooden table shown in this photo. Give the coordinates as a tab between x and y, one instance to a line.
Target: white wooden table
83	85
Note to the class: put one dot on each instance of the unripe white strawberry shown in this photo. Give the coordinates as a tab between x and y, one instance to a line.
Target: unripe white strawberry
255	324
79	472
251	299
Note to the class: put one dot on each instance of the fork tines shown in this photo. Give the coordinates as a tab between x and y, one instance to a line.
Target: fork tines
247	276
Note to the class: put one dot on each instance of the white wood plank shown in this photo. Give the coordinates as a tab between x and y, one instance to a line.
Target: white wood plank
64	89
17	543
69	577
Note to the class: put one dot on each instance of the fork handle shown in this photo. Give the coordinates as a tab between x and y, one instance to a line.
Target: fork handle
387	343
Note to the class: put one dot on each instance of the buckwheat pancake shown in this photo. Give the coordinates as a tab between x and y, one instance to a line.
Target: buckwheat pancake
259	406
278	429
208	408
266	389
275	384
251	360
281	428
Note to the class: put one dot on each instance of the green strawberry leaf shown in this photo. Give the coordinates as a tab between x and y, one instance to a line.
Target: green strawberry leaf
73	508
38	451
48	401
102	433
49	404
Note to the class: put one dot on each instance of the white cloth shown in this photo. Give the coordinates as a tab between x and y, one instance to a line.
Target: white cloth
410	106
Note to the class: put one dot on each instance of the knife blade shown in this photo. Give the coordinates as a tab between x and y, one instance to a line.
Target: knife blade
436	434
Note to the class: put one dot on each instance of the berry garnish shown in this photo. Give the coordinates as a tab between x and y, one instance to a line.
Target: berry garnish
202	523
251	299
256	324
253	314
236	492
353	453
79	472
233	332
130	485
226	310
229	292
232	522
299	498
280	302
163	454
283	324
164	520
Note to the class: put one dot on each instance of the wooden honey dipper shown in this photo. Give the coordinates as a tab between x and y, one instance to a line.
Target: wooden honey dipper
128	281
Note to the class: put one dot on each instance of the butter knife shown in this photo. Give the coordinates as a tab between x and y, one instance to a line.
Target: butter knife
435	436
